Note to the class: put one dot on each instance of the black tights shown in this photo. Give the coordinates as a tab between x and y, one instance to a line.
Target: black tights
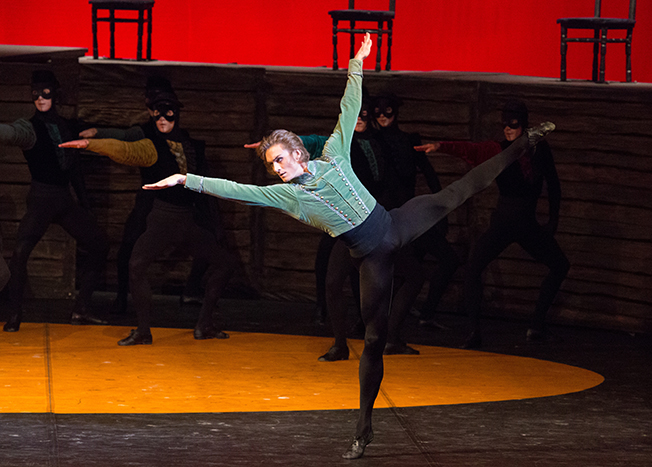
169	225
514	221
50	204
376	269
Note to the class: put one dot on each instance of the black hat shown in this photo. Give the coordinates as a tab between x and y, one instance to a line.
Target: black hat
45	78
158	83
166	97
516	110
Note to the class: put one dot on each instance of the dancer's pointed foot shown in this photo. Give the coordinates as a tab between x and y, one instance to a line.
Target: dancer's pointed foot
210	332
334	354
357	447
537	133
399	349
77	319
136	338
12	324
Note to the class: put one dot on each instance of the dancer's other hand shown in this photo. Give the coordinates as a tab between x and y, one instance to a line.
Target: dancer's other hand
428	148
172	180
365	48
88	133
76	144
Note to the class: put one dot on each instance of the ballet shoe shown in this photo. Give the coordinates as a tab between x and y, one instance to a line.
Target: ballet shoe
399	349
474	341
209	333
77	319
136	338
537	133
12	324
357	447
334	354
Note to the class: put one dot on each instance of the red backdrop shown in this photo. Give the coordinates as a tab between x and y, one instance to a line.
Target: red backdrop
512	36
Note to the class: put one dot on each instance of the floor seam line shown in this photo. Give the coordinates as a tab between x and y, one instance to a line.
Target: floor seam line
53	459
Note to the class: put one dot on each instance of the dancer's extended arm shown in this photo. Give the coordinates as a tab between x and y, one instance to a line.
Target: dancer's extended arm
141	153
19	133
339	143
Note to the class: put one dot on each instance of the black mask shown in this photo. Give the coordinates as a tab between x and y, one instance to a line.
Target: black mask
44	92
386	111
513	124
163	109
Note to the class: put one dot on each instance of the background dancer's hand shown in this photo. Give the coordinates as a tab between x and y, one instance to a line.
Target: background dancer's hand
252	145
172	180
76	144
365	48
89	133
428	148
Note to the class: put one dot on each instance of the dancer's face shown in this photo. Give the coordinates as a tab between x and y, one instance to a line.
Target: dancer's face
512	130
42	99
284	163
385	116
162	123
361	125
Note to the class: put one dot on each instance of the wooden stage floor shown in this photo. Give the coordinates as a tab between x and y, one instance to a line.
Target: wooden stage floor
69	396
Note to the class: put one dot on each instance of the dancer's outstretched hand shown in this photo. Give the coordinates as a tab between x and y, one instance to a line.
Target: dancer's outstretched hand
172	180
428	148
76	144
88	133
365	48
252	145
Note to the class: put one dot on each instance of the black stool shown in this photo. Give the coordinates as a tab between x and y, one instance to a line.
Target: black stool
141	6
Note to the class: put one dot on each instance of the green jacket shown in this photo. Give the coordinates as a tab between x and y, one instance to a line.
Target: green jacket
329	196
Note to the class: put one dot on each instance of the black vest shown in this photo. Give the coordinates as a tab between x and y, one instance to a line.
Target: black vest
166	165
47	162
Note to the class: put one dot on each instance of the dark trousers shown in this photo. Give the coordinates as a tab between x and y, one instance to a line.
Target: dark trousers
134	227
50	204
514	221
169	225
408	222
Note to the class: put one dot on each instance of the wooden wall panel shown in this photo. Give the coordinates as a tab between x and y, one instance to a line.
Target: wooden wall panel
601	148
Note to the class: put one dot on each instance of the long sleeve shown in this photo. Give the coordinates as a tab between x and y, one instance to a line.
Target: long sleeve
473	153
134	133
280	196
19	133
140	153
423	164
339	143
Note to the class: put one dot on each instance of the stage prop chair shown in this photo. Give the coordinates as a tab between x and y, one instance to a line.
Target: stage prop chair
144	9
600	26
381	17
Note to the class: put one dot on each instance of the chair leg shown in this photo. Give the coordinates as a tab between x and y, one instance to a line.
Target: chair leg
335	44
603	53
379	45
139	50
95	49
564	47
596	53
351	39
112	29
149	33
388	65
628	54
